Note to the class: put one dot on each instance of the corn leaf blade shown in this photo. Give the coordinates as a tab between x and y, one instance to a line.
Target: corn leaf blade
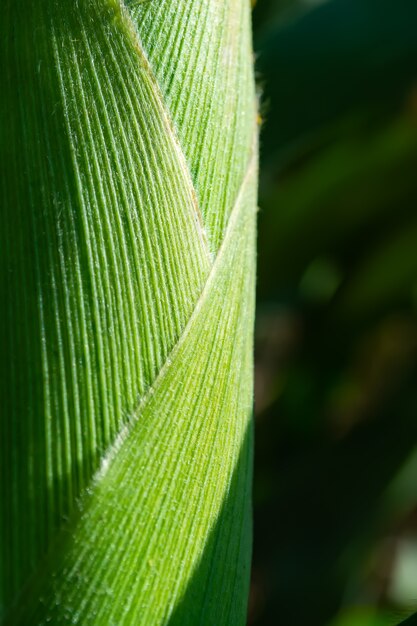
127	296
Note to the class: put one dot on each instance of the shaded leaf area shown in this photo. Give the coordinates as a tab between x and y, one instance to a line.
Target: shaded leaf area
336	349
197	607
125	377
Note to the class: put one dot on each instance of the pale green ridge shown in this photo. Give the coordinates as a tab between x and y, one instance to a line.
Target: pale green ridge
124	147
142	529
201	55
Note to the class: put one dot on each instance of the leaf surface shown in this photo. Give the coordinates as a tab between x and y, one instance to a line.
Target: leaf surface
127	267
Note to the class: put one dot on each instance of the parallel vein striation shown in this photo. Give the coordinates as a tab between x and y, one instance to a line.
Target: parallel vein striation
200	53
126	307
123	538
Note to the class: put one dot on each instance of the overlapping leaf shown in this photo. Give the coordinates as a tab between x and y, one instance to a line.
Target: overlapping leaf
128	166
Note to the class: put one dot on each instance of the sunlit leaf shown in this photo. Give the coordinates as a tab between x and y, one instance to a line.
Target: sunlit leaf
128	160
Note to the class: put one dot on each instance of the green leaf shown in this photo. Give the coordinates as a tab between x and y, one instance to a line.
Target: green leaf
128	159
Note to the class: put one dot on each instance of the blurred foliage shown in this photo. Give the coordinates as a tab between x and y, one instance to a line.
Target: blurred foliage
412	621
345	54
336	363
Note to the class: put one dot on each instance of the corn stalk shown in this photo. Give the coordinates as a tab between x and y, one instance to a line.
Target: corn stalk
128	191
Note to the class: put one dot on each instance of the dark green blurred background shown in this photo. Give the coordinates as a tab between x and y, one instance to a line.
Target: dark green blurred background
336	355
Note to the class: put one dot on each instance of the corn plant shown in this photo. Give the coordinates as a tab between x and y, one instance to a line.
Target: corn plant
128	191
